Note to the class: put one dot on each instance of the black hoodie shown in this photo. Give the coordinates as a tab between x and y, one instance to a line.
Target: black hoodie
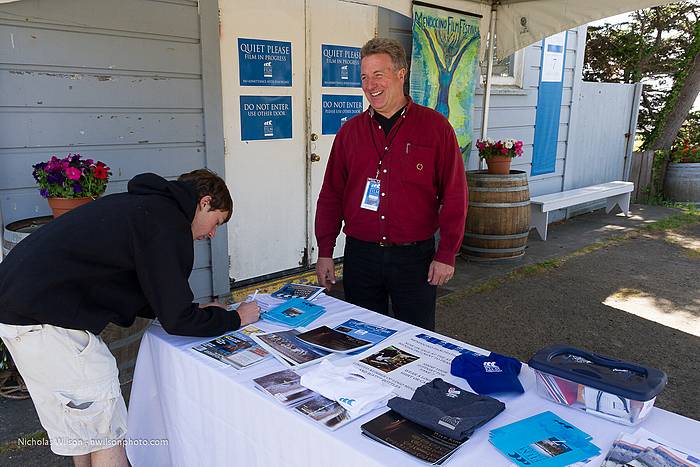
121	256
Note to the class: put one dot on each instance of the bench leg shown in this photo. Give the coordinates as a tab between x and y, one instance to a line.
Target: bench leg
538	220
622	200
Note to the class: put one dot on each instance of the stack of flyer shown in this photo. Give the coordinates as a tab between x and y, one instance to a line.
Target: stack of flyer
395	431
289	350
306	291
296	312
543	440
236	349
285	387
643	448
351	337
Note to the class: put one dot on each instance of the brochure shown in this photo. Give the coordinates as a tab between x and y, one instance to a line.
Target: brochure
306	291
365	331
645	449
332	340
284	386
394	430
543	440
296	312
236	349
289	350
325	411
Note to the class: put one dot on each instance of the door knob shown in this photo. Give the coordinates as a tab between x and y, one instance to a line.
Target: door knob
314	137
315	157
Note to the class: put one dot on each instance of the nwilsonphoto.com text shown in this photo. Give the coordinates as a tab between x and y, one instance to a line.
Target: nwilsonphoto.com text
107	443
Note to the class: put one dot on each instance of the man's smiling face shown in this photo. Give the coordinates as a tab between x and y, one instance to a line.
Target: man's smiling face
382	84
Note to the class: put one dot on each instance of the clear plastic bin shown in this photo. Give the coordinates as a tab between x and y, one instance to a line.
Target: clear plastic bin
612	389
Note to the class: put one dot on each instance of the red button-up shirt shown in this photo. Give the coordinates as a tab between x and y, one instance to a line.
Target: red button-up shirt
423	185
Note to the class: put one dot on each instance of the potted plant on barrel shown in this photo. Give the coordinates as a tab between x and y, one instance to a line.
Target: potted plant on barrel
70	182
682	176
499	154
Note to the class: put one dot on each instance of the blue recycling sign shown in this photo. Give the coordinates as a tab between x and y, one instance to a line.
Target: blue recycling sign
340	66
336	110
264	63
266	117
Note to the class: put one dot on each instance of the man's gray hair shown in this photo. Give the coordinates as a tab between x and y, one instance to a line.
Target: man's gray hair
391	47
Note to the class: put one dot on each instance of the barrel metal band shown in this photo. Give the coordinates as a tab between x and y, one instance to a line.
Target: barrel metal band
496	237
500	190
500	205
493	250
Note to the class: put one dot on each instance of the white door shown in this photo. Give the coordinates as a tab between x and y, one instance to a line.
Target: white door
267	177
275	182
339	25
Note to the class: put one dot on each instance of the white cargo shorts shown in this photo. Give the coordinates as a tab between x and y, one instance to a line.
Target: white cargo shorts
73	380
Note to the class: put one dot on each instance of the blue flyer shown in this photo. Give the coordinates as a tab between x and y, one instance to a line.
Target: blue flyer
264	63
266	117
336	110
341	66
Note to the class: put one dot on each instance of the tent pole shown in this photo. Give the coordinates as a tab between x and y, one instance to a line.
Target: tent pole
489	70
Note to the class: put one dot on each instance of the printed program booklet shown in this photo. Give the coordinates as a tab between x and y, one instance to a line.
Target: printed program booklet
392	429
306	291
294	313
332	340
325	411
284	386
236	349
289	350
365	331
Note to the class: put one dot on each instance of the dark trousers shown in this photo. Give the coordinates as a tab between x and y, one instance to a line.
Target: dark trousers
372	274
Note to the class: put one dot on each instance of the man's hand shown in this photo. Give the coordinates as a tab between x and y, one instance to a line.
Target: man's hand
440	273
325	272
249	313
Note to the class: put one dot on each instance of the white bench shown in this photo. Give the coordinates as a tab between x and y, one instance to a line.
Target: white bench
615	193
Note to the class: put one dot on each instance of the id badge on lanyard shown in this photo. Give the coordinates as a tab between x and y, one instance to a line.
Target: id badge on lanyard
370	198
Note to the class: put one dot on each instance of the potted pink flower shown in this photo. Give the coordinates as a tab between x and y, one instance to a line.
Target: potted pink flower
70	182
499	154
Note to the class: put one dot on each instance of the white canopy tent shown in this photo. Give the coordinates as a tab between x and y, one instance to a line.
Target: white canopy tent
519	23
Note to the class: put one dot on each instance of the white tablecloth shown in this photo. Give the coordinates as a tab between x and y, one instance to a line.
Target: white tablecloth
210	414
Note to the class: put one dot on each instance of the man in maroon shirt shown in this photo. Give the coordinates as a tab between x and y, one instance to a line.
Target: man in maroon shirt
395	175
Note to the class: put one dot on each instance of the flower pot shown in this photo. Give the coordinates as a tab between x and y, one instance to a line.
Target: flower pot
60	206
499	165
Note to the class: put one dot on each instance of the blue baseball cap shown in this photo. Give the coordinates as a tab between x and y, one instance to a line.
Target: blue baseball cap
488	374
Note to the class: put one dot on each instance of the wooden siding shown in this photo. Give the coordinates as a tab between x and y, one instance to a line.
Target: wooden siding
121	82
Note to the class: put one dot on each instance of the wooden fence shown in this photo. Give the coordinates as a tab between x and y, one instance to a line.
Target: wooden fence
640	174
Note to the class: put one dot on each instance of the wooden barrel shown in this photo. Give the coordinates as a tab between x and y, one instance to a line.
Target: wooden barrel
17	231
498	217
124	345
683	182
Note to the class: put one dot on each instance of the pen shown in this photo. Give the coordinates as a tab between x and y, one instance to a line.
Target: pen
255	294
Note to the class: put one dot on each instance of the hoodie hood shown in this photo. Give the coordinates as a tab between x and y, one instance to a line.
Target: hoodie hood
151	184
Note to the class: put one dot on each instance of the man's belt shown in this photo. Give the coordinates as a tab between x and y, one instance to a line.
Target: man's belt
390	244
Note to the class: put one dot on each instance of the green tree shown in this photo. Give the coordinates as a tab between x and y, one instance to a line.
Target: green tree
661	47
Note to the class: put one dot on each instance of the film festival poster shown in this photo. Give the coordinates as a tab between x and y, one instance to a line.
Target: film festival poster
444	66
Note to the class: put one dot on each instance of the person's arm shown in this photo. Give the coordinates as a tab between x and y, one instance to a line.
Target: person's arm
452	192
329	213
163	265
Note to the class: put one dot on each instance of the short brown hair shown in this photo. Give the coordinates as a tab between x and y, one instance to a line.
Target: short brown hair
207	183
391	47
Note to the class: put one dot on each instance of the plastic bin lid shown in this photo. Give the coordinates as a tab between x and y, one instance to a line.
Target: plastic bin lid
604	373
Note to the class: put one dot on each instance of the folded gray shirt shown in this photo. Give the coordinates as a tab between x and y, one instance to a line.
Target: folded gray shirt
447	409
